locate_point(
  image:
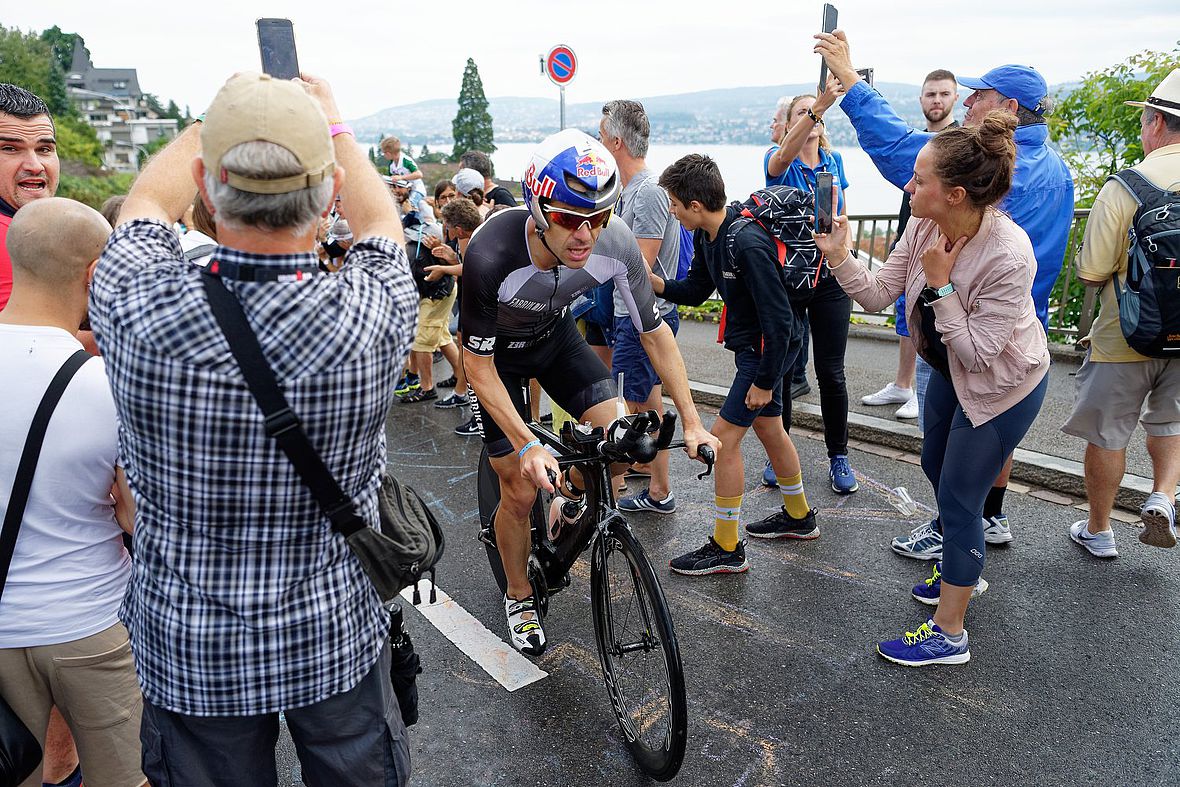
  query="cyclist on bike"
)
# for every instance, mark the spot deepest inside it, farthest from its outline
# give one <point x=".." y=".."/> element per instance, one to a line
<point x="523" y="268"/>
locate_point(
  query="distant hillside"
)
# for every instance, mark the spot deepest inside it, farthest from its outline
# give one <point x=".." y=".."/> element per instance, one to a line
<point x="733" y="115"/>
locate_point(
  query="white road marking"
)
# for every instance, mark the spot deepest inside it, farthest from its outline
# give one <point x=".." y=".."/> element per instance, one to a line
<point x="497" y="658"/>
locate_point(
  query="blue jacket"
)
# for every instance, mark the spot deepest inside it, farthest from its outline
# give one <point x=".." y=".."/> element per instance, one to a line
<point x="1041" y="198"/>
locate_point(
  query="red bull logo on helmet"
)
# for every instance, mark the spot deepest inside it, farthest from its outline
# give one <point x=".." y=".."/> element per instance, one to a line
<point x="592" y="165"/>
<point x="543" y="187"/>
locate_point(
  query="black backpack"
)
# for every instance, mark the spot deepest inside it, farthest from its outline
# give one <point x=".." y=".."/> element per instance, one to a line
<point x="1149" y="303"/>
<point x="421" y="257"/>
<point x="785" y="213"/>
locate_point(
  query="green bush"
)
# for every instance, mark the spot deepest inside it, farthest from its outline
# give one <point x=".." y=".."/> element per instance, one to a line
<point x="94" y="190"/>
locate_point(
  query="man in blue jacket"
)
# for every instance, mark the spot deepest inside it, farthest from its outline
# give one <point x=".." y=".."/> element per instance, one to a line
<point x="1041" y="200"/>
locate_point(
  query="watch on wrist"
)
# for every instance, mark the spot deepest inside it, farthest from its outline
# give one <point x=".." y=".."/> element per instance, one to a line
<point x="930" y="294"/>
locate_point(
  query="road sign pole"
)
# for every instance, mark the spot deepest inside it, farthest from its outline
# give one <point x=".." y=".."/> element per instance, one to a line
<point x="562" y="91"/>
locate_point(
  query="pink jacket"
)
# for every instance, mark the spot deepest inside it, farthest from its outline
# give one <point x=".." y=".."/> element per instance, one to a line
<point x="996" y="345"/>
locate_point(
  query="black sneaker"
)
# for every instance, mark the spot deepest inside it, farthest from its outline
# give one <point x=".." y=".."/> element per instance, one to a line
<point x="712" y="559"/>
<point x="448" y="383"/>
<point x="782" y="525"/>
<point x="467" y="429"/>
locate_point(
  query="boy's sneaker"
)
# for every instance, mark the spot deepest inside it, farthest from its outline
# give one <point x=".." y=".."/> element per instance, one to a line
<point x="468" y="428"/>
<point x="782" y="525"/>
<point x="1097" y="544"/>
<point x="930" y="589"/>
<point x="768" y="476"/>
<point x="524" y="626"/>
<point x="409" y="382"/>
<point x="452" y="401"/>
<point x="841" y="475"/>
<point x="927" y="645"/>
<point x="890" y="394"/>
<point x="996" y="530"/>
<point x="419" y="395"/>
<point x="923" y="543"/>
<point x="644" y="502"/>
<point x="712" y="559"/>
<point x="909" y="410"/>
<point x="1159" y="521"/>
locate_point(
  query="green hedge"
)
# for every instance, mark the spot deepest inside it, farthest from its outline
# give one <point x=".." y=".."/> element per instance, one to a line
<point x="93" y="190"/>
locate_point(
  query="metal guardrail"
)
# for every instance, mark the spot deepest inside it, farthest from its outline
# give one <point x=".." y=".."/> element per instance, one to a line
<point x="873" y="236"/>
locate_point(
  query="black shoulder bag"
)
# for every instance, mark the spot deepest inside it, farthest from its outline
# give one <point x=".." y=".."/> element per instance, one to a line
<point x="20" y="754"/>
<point x="410" y="541"/>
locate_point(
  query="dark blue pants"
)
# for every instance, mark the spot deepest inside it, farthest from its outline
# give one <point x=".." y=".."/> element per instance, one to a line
<point x="962" y="462"/>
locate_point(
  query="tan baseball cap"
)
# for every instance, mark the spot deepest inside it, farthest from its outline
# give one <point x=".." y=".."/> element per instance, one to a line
<point x="254" y="107"/>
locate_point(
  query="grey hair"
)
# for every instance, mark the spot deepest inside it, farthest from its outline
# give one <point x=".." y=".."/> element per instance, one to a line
<point x="1171" y="122"/>
<point x="783" y="103"/>
<point x="296" y="211"/>
<point x="627" y="121"/>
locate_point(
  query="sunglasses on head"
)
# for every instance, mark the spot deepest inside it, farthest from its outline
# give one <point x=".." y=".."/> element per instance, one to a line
<point x="572" y="220"/>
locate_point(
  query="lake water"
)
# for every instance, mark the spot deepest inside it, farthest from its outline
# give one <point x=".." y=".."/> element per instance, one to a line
<point x="741" y="166"/>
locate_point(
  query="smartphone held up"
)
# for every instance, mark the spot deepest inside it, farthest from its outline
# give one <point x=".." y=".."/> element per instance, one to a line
<point x="276" y="46"/>
<point x="824" y="209"/>
<point x="829" y="25"/>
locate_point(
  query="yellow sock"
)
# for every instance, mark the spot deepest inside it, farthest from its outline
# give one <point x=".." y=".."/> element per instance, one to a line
<point x="725" y="521"/>
<point x="793" y="498"/>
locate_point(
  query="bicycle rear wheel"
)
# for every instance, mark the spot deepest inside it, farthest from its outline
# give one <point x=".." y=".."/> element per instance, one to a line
<point x="639" y="653"/>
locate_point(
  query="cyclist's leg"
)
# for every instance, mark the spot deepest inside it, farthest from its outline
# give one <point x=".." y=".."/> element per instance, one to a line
<point x="516" y="492"/>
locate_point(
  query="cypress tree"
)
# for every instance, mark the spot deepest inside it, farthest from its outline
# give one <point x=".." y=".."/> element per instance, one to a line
<point x="472" y="126"/>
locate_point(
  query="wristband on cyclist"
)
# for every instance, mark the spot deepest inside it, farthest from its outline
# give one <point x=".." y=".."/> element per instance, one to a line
<point x="527" y="446"/>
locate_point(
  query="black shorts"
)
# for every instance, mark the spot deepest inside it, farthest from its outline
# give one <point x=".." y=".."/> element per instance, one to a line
<point x="566" y="368"/>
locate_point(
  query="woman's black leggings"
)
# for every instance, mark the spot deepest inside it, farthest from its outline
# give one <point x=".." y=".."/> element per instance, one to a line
<point x="826" y="309"/>
<point x="962" y="461"/>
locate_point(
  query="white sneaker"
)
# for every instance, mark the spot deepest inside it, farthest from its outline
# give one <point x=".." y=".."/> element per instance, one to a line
<point x="923" y="543"/>
<point x="890" y="394"/>
<point x="1159" y="521"/>
<point x="909" y="409"/>
<point x="524" y="626"/>
<point x="997" y="531"/>
<point x="1097" y="544"/>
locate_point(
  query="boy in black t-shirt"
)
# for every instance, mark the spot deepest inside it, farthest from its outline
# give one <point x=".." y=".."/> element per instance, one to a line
<point x="493" y="192"/>
<point x="761" y="331"/>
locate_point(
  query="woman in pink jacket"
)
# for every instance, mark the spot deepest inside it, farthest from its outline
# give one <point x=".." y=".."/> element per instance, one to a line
<point x="966" y="270"/>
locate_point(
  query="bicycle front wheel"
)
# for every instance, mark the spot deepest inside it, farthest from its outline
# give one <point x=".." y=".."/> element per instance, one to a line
<point x="639" y="653"/>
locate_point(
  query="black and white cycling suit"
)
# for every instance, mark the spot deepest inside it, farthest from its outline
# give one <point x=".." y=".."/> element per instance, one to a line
<point x="518" y="313"/>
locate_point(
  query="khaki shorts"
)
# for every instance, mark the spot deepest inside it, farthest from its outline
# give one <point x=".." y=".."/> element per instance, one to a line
<point x="1113" y="397"/>
<point x="92" y="682"/>
<point x="434" y="319"/>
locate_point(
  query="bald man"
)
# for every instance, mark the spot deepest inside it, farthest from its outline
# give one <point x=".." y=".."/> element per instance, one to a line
<point x="69" y="568"/>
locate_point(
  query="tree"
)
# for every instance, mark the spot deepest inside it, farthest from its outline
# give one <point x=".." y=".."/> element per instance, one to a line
<point x="62" y="45"/>
<point x="472" y="126"/>
<point x="1098" y="134"/>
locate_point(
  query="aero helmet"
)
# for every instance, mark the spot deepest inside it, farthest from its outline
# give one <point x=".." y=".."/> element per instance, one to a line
<point x="571" y="167"/>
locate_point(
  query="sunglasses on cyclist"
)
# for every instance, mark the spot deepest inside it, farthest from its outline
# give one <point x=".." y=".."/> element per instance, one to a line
<point x="572" y="220"/>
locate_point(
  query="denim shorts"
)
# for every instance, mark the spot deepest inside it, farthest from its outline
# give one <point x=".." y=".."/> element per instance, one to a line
<point x="734" y="410"/>
<point x="639" y="376"/>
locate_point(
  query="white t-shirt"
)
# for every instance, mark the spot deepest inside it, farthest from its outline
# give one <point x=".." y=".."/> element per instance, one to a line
<point x="70" y="568"/>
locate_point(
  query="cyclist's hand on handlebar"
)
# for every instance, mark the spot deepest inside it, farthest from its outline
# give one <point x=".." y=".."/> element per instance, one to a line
<point x="698" y="436"/>
<point x="757" y="398"/>
<point x="536" y="465"/>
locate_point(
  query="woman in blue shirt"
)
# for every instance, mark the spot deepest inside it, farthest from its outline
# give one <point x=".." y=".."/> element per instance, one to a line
<point x="801" y="151"/>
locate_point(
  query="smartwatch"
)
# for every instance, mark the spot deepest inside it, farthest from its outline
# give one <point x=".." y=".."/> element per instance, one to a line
<point x="929" y="294"/>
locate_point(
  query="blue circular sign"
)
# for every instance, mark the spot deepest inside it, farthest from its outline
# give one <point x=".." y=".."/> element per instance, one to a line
<point x="561" y="64"/>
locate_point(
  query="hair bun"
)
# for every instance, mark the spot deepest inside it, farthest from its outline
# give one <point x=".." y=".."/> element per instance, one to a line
<point x="997" y="133"/>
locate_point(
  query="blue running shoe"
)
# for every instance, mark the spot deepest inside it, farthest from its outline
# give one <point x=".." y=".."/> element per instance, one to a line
<point x="927" y="645"/>
<point x="929" y="590"/>
<point x="645" y="502"/>
<point x="843" y="479"/>
<point x="768" y="476"/>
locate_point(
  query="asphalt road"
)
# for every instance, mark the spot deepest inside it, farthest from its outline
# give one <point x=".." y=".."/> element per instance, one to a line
<point x="1072" y="678"/>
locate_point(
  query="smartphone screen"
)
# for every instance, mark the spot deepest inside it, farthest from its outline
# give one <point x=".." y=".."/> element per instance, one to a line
<point x="828" y="26"/>
<point x="823" y="202"/>
<point x="276" y="45"/>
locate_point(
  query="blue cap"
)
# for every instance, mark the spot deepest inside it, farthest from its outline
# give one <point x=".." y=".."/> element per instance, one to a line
<point x="1022" y="83"/>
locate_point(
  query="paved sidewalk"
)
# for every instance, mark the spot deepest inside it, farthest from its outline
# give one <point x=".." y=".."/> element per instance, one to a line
<point x="871" y="362"/>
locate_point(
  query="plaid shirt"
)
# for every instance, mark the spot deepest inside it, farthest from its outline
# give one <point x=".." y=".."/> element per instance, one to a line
<point x="242" y="599"/>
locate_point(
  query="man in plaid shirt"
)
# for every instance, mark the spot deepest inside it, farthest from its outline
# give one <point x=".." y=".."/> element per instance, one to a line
<point x="243" y="601"/>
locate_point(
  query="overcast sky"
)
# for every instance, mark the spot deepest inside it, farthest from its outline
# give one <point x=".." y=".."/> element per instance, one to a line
<point x="380" y="54"/>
